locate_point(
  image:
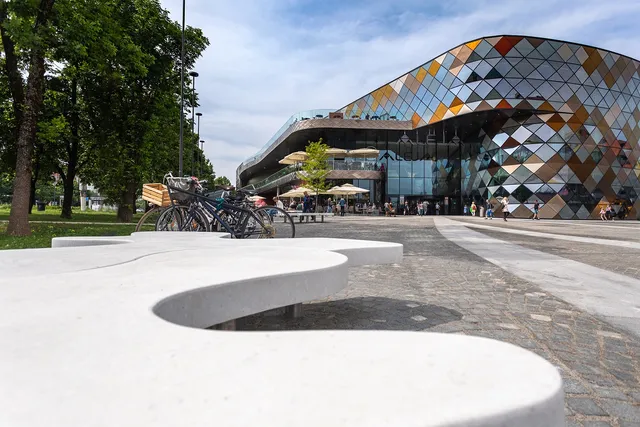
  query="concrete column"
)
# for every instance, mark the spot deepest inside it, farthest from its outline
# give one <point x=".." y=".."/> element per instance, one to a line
<point x="229" y="325"/>
<point x="293" y="311"/>
<point x="83" y="196"/>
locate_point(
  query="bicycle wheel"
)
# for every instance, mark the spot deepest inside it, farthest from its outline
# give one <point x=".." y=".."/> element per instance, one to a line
<point x="148" y="221"/>
<point x="182" y="218"/>
<point x="277" y="223"/>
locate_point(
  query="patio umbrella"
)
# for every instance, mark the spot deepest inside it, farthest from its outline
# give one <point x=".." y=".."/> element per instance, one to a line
<point x="286" y="161"/>
<point x="298" y="156"/>
<point x="347" y="190"/>
<point x="364" y="153"/>
<point x="350" y="190"/>
<point x="297" y="192"/>
<point x="336" y="152"/>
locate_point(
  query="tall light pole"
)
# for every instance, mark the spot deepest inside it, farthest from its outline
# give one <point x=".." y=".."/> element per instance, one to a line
<point x="199" y="114"/>
<point x="202" y="158"/>
<point x="193" y="74"/>
<point x="180" y="161"/>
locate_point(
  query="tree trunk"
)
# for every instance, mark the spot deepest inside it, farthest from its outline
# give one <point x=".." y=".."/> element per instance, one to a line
<point x="128" y="203"/>
<point x="67" y="202"/>
<point x="16" y="84"/>
<point x="19" y="216"/>
<point x="72" y="152"/>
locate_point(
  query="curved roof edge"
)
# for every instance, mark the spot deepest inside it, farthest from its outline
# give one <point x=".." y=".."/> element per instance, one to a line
<point x="483" y="38"/>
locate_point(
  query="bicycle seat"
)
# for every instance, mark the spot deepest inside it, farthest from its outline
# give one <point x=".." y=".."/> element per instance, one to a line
<point x="225" y="187"/>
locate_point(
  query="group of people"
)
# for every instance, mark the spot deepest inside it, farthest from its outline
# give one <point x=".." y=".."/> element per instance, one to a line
<point x="308" y="205"/>
<point x="504" y="203"/>
<point x="609" y="214"/>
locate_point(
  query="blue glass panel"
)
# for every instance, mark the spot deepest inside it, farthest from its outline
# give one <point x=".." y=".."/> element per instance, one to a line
<point x="405" y="186"/>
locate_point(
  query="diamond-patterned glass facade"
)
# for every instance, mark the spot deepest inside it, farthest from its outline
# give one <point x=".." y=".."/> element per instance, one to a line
<point x="564" y="126"/>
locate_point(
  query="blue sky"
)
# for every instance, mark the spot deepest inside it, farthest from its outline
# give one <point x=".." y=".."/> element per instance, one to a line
<point x="271" y="58"/>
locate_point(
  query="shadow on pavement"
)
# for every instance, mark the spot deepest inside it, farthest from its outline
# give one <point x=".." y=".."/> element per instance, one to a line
<point x="354" y="313"/>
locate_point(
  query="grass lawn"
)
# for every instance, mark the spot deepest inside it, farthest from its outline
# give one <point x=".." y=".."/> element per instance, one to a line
<point x="52" y="213"/>
<point x="42" y="234"/>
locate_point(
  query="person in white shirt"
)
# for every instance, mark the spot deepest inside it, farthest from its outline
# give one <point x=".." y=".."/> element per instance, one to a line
<point x="278" y="202"/>
<point x="505" y="207"/>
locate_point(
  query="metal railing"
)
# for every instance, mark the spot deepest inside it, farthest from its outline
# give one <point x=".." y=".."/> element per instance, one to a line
<point x="353" y="165"/>
<point x="274" y="177"/>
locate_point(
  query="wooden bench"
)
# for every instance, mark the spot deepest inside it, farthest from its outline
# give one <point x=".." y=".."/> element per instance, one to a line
<point x="311" y="215"/>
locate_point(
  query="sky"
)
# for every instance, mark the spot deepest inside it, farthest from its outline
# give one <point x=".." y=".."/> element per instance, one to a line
<point x="269" y="59"/>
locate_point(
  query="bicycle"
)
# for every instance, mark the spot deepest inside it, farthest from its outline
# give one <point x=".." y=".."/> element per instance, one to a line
<point x="232" y="215"/>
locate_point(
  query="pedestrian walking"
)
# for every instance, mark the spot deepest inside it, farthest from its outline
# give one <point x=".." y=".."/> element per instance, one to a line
<point x="609" y="213"/>
<point x="536" y="209"/>
<point x="466" y="210"/>
<point x="437" y="208"/>
<point x="342" y="204"/>
<point x="306" y="203"/>
<point x="473" y="208"/>
<point x="489" y="210"/>
<point x="505" y="207"/>
<point x="603" y="214"/>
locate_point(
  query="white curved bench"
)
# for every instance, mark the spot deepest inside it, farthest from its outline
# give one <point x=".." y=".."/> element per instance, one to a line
<point x="96" y="336"/>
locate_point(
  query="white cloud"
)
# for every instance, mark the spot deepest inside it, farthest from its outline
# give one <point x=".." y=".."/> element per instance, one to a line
<point x="266" y="62"/>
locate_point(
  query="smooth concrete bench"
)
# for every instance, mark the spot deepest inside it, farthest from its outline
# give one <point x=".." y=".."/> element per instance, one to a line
<point x="306" y="216"/>
<point x="110" y="335"/>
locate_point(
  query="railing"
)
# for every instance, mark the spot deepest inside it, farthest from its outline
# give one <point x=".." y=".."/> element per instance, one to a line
<point x="273" y="177"/>
<point x="353" y="165"/>
<point x="349" y="165"/>
<point x="303" y="115"/>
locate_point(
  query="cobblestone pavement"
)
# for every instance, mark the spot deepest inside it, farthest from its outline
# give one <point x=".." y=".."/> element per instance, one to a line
<point x="440" y="287"/>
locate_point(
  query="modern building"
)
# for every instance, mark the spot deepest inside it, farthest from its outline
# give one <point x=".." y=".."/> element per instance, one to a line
<point x="505" y="116"/>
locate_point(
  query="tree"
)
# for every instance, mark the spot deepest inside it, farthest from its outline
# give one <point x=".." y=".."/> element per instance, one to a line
<point x="221" y="181"/>
<point x="26" y="26"/>
<point x="315" y="168"/>
<point x="134" y="110"/>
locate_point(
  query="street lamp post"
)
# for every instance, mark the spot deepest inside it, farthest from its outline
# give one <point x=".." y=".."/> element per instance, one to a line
<point x="199" y="114"/>
<point x="180" y="159"/>
<point x="193" y="74"/>
<point x="201" y="158"/>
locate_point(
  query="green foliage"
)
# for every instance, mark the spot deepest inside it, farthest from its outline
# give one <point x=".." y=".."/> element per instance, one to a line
<point x="111" y="108"/>
<point x="315" y="169"/>
<point x="41" y="234"/>
<point x="221" y="181"/>
<point x="6" y="187"/>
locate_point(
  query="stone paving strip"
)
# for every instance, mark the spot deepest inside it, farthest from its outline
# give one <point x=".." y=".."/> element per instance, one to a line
<point x="607" y="257"/>
<point x="613" y="296"/>
<point x="493" y="225"/>
<point x="442" y="287"/>
<point x="604" y="230"/>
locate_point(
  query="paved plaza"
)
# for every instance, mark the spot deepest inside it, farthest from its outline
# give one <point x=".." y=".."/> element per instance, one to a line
<point x="567" y="290"/>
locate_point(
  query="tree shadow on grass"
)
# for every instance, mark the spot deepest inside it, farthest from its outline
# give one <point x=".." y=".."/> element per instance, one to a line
<point x="365" y="313"/>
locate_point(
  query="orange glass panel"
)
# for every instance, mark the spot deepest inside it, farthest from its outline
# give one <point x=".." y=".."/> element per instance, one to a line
<point x="456" y="109"/>
<point x="433" y="69"/>
<point x="440" y="111"/>
<point x="472" y="45"/>
<point x="422" y="73"/>
<point x="415" y="120"/>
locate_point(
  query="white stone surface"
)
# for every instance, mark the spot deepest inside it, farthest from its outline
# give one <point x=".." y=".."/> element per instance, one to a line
<point x="96" y="336"/>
